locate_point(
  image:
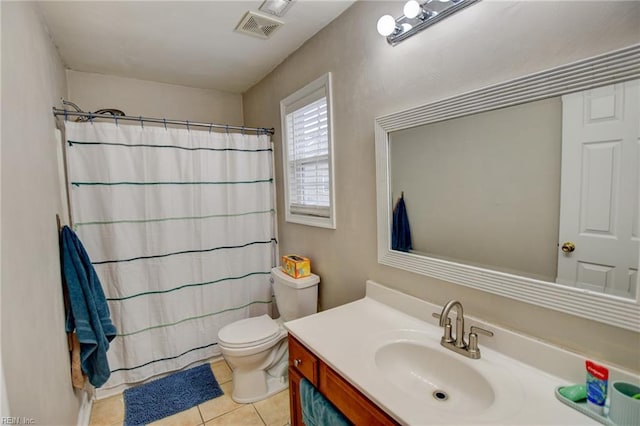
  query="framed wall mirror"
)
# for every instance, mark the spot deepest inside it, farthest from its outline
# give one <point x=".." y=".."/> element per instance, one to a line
<point x="527" y="189"/>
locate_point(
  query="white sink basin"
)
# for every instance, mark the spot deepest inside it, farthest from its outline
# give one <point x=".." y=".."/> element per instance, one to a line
<point x="434" y="377"/>
<point x="439" y="380"/>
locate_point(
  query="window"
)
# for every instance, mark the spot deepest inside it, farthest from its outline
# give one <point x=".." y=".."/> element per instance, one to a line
<point x="308" y="155"/>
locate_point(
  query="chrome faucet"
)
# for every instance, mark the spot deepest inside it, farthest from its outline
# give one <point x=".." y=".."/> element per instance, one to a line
<point x="444" y="315"/>
<point x="458" y="344"/>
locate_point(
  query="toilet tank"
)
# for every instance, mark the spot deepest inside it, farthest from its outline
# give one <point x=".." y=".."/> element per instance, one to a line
<point x="295" y="297"/>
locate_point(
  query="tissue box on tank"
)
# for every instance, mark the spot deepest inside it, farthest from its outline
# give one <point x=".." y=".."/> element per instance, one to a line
<point x="296" y="266"/>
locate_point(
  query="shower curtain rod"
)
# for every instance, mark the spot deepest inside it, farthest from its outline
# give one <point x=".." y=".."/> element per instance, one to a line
<point x="67" y="113"/>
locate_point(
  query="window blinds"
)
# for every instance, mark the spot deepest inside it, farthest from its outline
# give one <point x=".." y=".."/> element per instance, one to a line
<point x="308" y="159"/>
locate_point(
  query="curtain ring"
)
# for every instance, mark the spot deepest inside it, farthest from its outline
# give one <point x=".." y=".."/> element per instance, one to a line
<point x="210" y="127"/>
<point x="165" y="123"/>
<point x="66" y="115"/>
<point x="115" y="118"/>
<point x="188" y="129"/>
<point x="141" y="122"/>
<point x="91" y="117"/>
<point x="227" y="128"/>
<point x="242" y="130"/>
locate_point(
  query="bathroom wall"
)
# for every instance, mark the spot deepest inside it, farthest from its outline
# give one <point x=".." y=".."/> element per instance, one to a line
<point x="91" y="91"/>
<point x="34" y="344"/>
<point x="486" y="43"/>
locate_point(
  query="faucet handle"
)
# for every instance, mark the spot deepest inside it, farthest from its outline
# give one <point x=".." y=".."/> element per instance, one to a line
<point x="475" y="330"/>
<point x="473" y="340"/>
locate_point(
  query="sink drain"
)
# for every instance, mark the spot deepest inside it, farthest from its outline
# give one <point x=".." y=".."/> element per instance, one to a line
<point x="440" y="395"/>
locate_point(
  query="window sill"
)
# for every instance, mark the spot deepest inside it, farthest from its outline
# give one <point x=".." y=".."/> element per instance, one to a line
<point x="320" y="222"/>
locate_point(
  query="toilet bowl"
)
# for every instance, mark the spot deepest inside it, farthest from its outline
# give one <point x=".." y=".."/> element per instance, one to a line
<point x="256" y="348"/>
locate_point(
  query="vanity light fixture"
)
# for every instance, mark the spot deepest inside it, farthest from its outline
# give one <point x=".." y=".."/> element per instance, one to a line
<point x="416" y="17"/>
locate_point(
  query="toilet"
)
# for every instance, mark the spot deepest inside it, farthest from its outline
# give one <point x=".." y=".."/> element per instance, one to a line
<point x="256" y="348"/>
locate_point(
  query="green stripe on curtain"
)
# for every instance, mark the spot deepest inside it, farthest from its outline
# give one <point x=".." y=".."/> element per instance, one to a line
<point x="210" y="314"/>
<point x="164" y="219"/>
<point x="146" y="293"/>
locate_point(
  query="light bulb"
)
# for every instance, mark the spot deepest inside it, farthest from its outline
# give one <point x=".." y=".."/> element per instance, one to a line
<point x="386" y="25"/>
<point x="412" y="9"/>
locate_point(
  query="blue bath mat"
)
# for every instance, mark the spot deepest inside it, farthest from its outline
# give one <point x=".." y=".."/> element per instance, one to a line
<point x="167" y="396"/>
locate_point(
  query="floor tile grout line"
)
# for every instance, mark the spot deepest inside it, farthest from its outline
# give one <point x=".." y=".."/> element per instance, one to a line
<point x="225" y="413"/>
<point x="200" y="412"/>
<point x="258" y="413"/>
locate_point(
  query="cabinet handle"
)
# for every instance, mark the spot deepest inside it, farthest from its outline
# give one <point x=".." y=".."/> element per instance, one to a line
<point x="297" y="362"/>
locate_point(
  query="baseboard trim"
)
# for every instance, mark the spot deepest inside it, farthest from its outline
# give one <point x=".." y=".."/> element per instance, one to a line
<point x="84" y="413"/>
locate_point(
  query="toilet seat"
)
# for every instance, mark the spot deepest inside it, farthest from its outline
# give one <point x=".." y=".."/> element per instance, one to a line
<point x="250" y="332"/>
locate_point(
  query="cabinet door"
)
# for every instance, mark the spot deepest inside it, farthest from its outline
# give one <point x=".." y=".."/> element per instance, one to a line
<point x="355" y="406"/>
<point x="294" y="397"/>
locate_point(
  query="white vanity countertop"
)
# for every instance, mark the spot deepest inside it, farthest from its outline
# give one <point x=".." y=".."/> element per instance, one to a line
<point x="347" y="337"/>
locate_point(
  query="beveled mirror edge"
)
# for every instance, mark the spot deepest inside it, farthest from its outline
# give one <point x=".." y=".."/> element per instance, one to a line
<point x="609" y="68"/>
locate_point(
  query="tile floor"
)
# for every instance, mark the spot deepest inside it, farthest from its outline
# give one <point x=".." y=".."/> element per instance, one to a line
<point x="273" y="411"/>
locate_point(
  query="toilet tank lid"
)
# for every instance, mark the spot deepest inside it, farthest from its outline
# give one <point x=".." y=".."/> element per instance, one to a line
<point x="298" y="283"/>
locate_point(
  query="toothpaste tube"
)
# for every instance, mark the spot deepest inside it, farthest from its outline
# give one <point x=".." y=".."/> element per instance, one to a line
<point x="597" y="378"/>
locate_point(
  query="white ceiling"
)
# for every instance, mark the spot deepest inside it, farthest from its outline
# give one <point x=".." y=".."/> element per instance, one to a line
<point x="191" y="43"/>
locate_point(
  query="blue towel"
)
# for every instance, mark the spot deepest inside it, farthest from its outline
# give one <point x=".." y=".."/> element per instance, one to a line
<point x="89" y="313"/>
<point x="400" y="233"/>
<point x="316" y="410"/>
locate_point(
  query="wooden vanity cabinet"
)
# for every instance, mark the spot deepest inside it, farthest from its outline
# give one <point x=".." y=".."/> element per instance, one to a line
<point x="356" y="407"/>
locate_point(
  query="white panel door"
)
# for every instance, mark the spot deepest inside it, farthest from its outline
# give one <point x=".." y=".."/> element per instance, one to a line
<point x="599" y="190"/>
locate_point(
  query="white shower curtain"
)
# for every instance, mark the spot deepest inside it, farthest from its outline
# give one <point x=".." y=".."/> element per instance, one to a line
<point x="179" y="225"/>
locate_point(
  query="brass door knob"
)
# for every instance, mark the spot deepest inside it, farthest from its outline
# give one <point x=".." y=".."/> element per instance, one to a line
<point x="568" y="247"/>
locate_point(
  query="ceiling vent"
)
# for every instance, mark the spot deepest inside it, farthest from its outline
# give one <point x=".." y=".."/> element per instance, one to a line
<point x="258" y="25"/>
